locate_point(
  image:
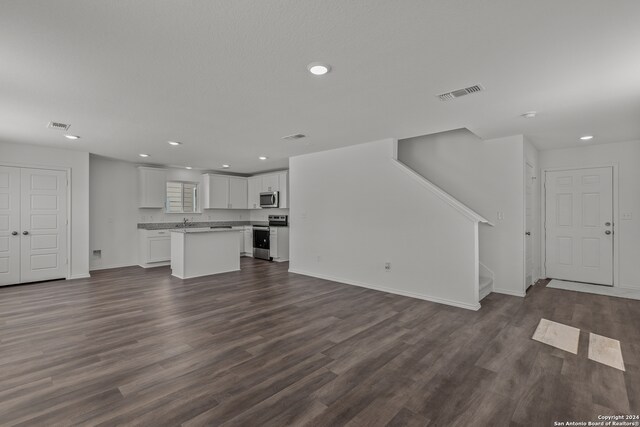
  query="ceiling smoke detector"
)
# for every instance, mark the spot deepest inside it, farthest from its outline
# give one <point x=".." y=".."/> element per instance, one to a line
<point x="58" y="125"/>
<point x="460" y="92"/>
<point x="294" y="136"/>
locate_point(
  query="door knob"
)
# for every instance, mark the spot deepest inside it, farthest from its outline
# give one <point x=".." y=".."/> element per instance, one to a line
<point x="25" y="232"/>
<point x="607" y="224"/>
<point x="607" y="232"/>
<point x="528" y="233"/>
<point x="14" y="233"/>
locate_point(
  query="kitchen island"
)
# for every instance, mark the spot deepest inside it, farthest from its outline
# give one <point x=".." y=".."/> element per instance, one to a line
<point x="199" y="252"/>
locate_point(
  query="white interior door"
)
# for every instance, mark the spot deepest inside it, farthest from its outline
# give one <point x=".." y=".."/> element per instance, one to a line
<point x="579" y="225"/>
<point x="529" y="225"/>
<point x="43" y="213"/>
<point x="9" y="225"/>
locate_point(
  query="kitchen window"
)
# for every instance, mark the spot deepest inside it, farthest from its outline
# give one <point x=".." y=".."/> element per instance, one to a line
<point x="182" y="197"/>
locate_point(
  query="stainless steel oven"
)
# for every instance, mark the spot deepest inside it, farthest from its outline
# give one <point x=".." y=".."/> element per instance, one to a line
<point x="261" y="247"/>
<point x="262" y="236"/>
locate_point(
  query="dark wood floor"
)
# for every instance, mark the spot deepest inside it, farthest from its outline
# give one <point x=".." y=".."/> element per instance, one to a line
<point x="264" y="347"/>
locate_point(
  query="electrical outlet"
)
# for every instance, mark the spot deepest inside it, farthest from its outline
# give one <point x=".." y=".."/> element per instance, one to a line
<point x="387" y="266"/>
<point x="627" y="215"/>
<point x="97" y="253"/>
<point x="500" y="215"/>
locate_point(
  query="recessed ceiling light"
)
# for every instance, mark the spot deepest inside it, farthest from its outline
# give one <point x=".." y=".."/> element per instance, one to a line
<point x="586" y="137"/>
<point x="263" y="158"/>
<point x="143" y="155"/>
<point x="188" y="167"/>
<point x="72" y="136"/>
<point x="529" y="114"/>
<point x="318" y="68"/>
<point x="174" y="143"/>
<point x="226" y="166"/>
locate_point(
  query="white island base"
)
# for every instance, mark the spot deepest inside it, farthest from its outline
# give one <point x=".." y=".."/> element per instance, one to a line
<point x="201" y="252"/>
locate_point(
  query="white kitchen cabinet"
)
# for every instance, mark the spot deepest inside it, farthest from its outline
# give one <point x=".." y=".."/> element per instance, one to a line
<point x="248" y="240"/>
<point x="267" y="183"/>
<point x="215" y="191"/>
<point x="270" y="183"/>
<point x="283" y="188"/>
<point x="224" y="192"/>
<point x="279" y="243"/>
<point x="253" y="192"/>
<point x="237" y="192"/>
<point x="154" y="247"/>
<point x="152" y="187"/>
<point x="240" y="230"/>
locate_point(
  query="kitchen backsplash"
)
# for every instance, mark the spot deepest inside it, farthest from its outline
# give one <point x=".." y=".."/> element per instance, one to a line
<point x="157" y="215"/>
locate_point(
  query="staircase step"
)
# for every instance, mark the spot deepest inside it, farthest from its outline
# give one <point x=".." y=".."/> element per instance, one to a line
<point x="486" y="286"/>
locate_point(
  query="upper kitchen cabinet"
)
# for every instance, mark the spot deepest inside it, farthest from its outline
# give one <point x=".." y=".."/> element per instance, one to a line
<point x="237" y="192"/>
<point x="268" y="183"/>
<point x="255" y="187"/>
<point x="224" y="192"/>
<point x="152" y="187"/>
<point x="283" y="182"/>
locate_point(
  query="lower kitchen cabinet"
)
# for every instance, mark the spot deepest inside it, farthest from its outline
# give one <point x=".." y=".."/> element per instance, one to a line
<point x="247" y="236"/>
<point x="279" y="243"/>
<point x="154" y="248"/>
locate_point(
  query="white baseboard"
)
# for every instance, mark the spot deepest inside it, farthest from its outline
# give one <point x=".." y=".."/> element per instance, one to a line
<point x="79" y="276"/>
<point x="473" y="307"/>
<point x="108" y="267"/>
<point x="509" y="292"/>
<point x="155" y="264"/>
<point x="485" y="291"/>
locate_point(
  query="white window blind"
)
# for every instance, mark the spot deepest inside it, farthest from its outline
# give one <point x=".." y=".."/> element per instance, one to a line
<point x="182" y="197"/>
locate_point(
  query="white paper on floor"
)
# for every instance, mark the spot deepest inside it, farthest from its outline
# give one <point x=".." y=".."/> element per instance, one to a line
<point x="558" y="335"/>
<point x="606" y="351"/>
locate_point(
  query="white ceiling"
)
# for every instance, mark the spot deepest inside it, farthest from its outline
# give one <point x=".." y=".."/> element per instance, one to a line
<point x="229" y="78"/>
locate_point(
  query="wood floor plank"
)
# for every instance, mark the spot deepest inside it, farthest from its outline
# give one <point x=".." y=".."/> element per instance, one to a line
<point x="266" y="347"/>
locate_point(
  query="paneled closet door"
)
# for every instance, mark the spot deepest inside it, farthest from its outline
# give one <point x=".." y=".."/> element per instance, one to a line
<point x="9" y="225"/>
<point x="43" y="214"/>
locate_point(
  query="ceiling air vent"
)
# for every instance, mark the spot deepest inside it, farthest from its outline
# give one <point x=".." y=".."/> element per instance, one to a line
<point x="460" y="92"/>
<point x="294" y="137"/>
<point x="59" y="126"/>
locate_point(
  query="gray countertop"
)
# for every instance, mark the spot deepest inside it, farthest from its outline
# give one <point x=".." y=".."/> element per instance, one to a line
<point x="204" y="224"/>
<point x="204" y="230"/>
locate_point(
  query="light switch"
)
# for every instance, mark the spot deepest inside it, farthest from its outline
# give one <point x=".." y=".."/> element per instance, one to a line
<point x="500" y="215"/>
<point x="627" y="215"/>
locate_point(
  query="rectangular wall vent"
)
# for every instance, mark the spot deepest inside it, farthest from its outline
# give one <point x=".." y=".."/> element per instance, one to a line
<point x="460" y="92"/>
<point x="58" y="125"/>
<point x="294" y="136"/>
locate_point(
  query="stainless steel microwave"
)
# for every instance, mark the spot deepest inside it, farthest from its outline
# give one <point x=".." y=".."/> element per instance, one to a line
<point x="269" y="200"/>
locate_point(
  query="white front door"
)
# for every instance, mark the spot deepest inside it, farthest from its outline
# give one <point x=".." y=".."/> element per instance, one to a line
<point x="43" y="214"/>
<point x="9" y="225"/>
<point x="529" y="225"/>
<point x="579" y="225"/>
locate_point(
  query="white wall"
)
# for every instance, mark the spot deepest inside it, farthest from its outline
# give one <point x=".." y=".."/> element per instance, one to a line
<point x="487" y="176"/>
<point x="78" y="163"/>
<point x="627" y="156"/>
<point x="352" y="210"/>
<point x="113" y="212"/>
